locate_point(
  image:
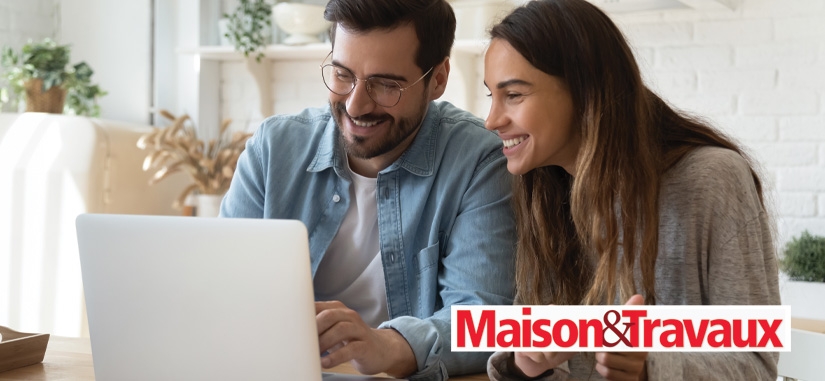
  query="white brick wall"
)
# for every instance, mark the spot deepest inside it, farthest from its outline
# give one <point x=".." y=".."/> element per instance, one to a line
<point x="803" y="128"/>
<point x="725" y="32"/>
<point x="780" y="102"/>
<point x="769" y="58"/>
<point x="821" y="204"/>
<point x="757" y="72"/>
<point x="797" y="204"/>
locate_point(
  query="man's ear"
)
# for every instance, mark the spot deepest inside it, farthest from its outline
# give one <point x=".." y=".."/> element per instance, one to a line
<point x="438" y="81"/>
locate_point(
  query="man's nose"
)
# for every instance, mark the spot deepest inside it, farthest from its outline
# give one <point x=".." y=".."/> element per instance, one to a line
<point x="359" y="101"/>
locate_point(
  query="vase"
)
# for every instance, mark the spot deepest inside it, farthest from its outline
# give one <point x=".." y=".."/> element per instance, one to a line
<point x="208" y="205"/>
<point x="798" y="294"/>
<point x="50" y="101"/>
<point x="303" y="23"/>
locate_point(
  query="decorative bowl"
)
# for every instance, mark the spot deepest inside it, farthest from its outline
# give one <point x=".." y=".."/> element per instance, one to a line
<point x="303" y="22"/>
<point x="18" y="349"/>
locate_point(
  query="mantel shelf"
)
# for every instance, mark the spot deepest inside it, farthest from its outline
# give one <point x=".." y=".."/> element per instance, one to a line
<point x="271" y="52"/>
<point x="303" y="52"/>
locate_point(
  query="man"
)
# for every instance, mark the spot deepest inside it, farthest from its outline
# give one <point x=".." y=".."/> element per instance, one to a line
<point x="406" y="200"/>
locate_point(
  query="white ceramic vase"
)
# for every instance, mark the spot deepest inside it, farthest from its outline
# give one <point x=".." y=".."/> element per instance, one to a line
<point x="303" y="23"/>
<point x="208" y="205"/>
<point x="802" y="297"/>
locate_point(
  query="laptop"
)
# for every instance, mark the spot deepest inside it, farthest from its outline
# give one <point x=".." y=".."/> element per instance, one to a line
<point x="186" y="298"/>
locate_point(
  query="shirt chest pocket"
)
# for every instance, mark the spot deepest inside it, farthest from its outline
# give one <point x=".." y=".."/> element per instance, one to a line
<point x="427" y="260"/>
<point x="426" y="277"/>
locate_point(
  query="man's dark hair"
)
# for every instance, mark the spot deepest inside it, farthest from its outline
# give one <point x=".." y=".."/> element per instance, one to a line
<point x="434" y="23"/>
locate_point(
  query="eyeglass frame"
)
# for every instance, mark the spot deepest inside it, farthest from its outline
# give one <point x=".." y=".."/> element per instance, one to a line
<point x="366" y="80"/>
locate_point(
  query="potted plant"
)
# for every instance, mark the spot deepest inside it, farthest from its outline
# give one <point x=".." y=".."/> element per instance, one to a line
<point x="41" y="75"/>
<point x="804" y="265"/>
<point x="250" y="26"/>
<point x="210" y="165"/>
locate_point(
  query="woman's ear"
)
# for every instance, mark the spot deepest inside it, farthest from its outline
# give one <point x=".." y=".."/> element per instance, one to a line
<point x="438" y="81"/>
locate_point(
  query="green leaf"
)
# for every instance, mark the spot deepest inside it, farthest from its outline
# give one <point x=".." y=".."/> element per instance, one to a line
<point x="83" y="71"/>
<point x="804" y="258"/>
<point x="9" y="58"/>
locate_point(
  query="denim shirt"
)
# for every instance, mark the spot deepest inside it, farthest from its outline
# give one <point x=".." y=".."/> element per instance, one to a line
<point x="445" y="221"/>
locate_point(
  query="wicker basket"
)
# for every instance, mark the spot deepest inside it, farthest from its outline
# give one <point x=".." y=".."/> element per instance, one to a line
<point x="37" y="101"/>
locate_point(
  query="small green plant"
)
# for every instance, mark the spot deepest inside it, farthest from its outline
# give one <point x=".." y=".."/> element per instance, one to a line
<point x="49" y="62"/>
<point x="805" y="258"/>
<point x="250" y="26"/>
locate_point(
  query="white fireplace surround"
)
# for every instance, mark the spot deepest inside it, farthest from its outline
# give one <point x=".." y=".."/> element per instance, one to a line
<point x="202" y="99"/>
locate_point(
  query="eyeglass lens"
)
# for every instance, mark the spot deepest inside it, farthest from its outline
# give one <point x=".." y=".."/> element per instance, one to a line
<point x="341" y="81"/>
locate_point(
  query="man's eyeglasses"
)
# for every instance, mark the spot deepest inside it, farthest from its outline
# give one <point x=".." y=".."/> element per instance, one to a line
<point x="383" y="91"/>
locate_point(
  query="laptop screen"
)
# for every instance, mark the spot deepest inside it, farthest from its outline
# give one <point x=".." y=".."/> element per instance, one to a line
<point x="171" y="298"/>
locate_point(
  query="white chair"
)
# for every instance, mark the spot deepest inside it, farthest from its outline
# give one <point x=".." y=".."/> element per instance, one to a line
<point x="806" y="361"/>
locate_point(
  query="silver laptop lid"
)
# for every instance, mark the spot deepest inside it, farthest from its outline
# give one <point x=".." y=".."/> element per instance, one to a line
<point x="185" y="298"/>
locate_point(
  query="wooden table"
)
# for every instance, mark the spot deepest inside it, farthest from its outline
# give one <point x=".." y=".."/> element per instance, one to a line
<point x="70" y="359"/>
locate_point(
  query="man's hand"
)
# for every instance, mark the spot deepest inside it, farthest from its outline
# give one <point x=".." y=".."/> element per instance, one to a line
<point x="620" y="366"/>
<point x="344" y="335"/>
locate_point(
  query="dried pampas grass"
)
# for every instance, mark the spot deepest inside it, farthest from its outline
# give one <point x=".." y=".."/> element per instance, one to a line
<point x="177" y="148"/>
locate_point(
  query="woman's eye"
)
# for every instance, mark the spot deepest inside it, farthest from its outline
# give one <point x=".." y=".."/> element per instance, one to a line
<point x="507" y="96"/>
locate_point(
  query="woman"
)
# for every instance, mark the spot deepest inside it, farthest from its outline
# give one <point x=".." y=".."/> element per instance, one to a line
<point x="617" y="194"/>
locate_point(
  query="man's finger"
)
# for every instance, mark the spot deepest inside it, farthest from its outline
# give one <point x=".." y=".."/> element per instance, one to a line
<point x="336" y="357"/>
<point x="326" y="318"/>
<point x="321" y="306"/>
<point x="343" y="332"/>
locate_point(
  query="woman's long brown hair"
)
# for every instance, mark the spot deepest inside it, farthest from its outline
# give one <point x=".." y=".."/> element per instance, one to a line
<point x="579" y="236"/>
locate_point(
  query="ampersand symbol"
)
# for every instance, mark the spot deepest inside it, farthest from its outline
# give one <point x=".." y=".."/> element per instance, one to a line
<point x="612" y="326"/>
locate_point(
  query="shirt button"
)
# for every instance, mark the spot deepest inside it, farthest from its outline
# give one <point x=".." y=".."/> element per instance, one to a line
<point x="336" y="198"/>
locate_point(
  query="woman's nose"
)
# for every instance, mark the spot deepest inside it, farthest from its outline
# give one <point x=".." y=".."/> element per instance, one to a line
<point x="494" y="119"/>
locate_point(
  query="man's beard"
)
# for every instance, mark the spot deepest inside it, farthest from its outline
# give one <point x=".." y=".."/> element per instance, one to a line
<point x="397" y="132"/>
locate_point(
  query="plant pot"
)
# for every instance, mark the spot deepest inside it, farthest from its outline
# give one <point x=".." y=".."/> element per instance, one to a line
<point x="805" y="298"/>
<point x="50" y="101"/>
<point x="208" y="205"/>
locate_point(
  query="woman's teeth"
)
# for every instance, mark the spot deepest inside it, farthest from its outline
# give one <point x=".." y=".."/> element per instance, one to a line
<point x="510" y="143"/>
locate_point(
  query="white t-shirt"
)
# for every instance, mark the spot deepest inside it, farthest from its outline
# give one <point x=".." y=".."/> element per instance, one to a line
<point x="351" y="270"/>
